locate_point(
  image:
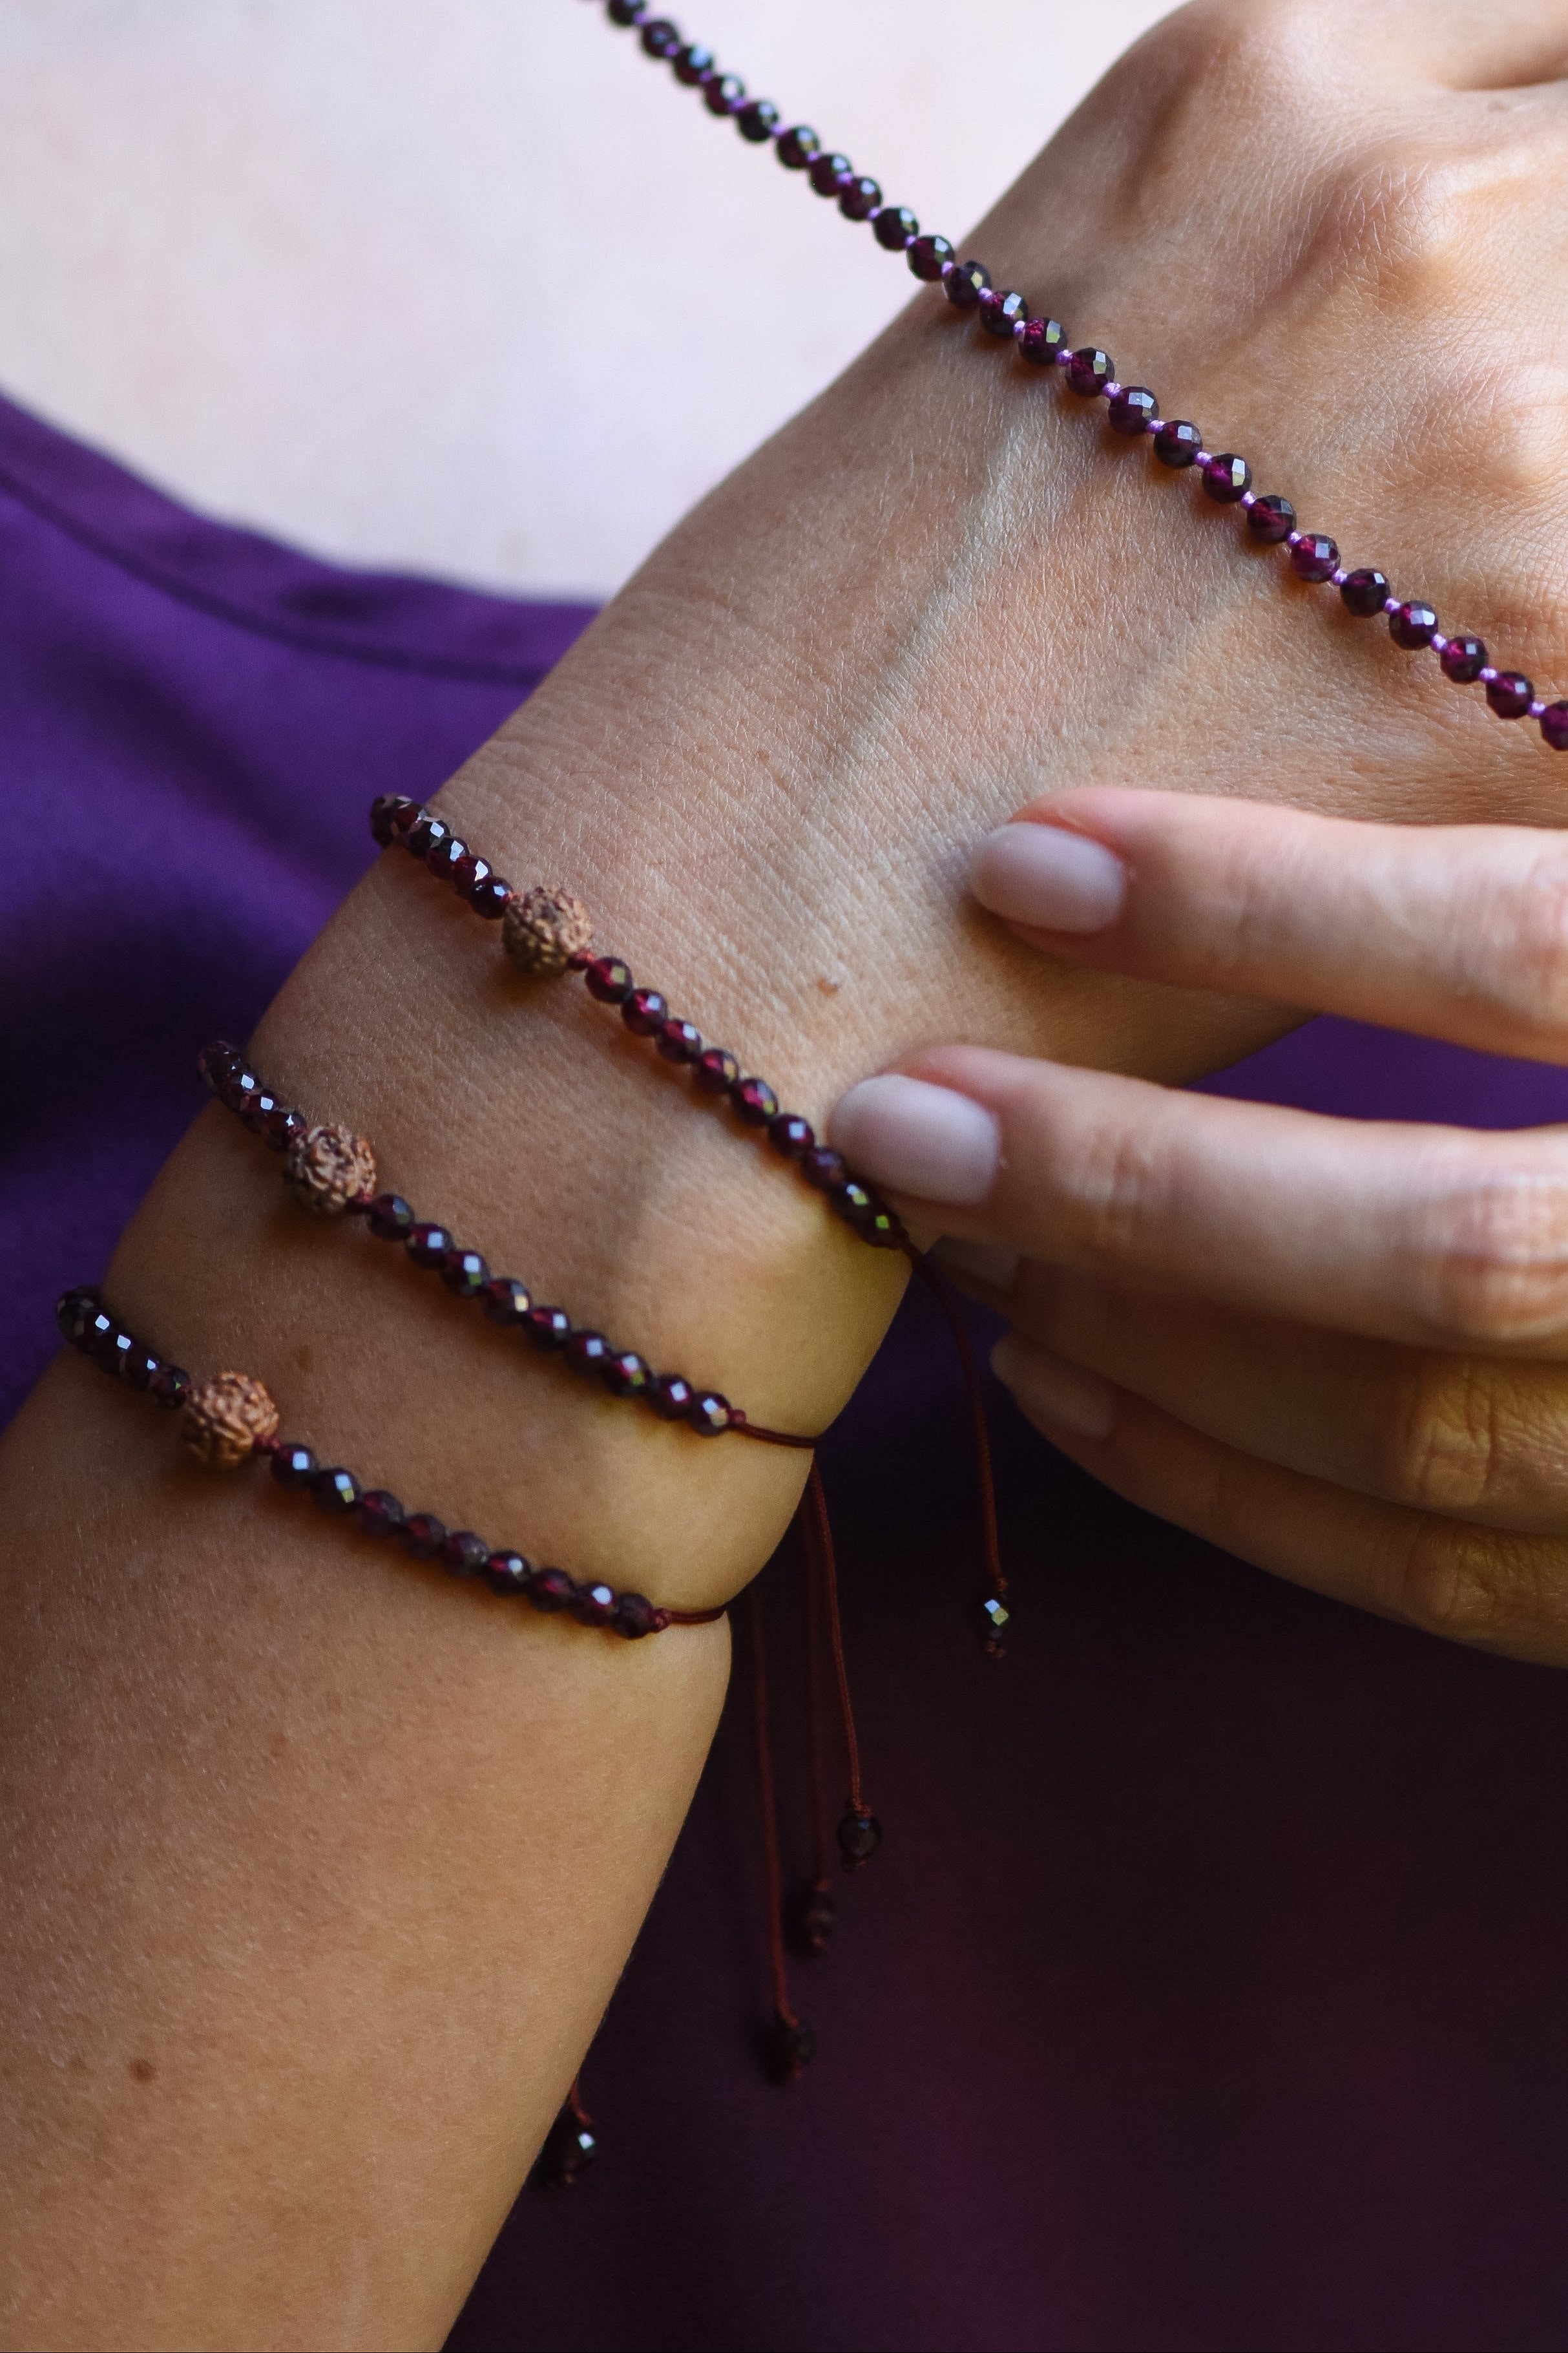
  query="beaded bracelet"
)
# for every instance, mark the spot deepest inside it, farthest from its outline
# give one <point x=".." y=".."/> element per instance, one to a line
<point x="333" y="1172"/>
<point x="231" y="1419"/>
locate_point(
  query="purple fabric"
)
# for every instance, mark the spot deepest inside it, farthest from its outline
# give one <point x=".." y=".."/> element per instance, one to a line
<point x="1209" y="1990"/>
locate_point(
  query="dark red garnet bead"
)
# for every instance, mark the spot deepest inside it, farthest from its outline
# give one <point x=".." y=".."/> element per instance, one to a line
<point x="830" y="173"/>
<point x="1090" y="371"/>
<point x="797" y="147"/>
<point x="463" y="1553"/>
<point x="635" y="1616"/>
<point x="895" y="227"/>
<point x="470" y="875"/>
<point x="588" y="1352"/>
<point x="1554" y="725"/>
<point x="548" y="1327"/>
<point x="859" y="197"/>
<point x="423" y="1535"/>
<point x="660" y="39"/>
<point x="851" y="1200"/>
<point x="390" y="1218"/>
<point x="1463" y="659"/>
<point x="927" y="257"/>
<point x="465" y="1272"/>
<point x="1177" y="443"/>
<point x="723" y="93"/>
<point x="1365" y="593"/>
<point x="670" y="1397"/>
<point x="825" y="1169"/>
<point x="335" y="1490"/>
<point x="171" y="1386"/>
<point x="1134" y="410"/>
<point x="425" y="837"/>
<point x="428" y="1245"/>
<point x="1510" y="694"/>
<point x="755" y="1101"/>
<point x="990" y="1618"/>
<point x="710" y="1414"/>
<point x="508" y="1573"/>
<point x="791" y="1134"/>
<point x="625" y="1374"/>
<point x="1001" y="312"/>
<point x="680" y="1041"/>
<point x="380" y="1513"/>
<point x="569" y="2145"/>
<point x="644" y="1012"/>
<point x="72" y="1310"/>
<point x="491" y="899"/>
<point x="594" y="1605"/>
<point x="859" y="1836"/>
<point x="1412" y="626"/>
<point x="283" y="1127"/>
<point x="1041" y="341"/>
<point x="965" y="282"/>
<point x="1313" y="557"/>
<point x="384" y="812"/>
<point x="1226" y="477"/>
<point x="506" y="1301"/>
<point x="716" y="1070"/>
<point x="293" y="1466"/>
<point x="1270" y="520"/>
<point x="140" y="1367"/>
<point x="757" y="120"/>
<point x="551" y="1590"/>
<point x="692" y="64"/>
<point x="625" y="11"/>
<point x="609" y="981"/>
<point x="121" y="1353"/>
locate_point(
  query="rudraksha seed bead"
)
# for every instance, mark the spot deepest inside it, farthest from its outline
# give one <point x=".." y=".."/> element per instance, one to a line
<point x="594" y="1605"/>
<point x="1365" y="593"/>
<point x="692" y="64"/>
<point x="716" y="1070"/>
<point x="588" y="1352"/>
<point x="1413" y="625"/>
<point x="896" y="227"/>
<point x="223" y="1419"/>
<point x="1133" y="411"/>
<point x="491" y="898"/>
<point x="625" y="1374"/>
<point x="990" y="1618"/>
<point x="757" y="120"/>
<point x="1463" y="659"/>
<point x="465" y="1273"/>
<point x="790" y="2049"/>
<point x="543" y="930"/>
<point x="710" y="1414"/>
<point x="797" y="147"/>
<point x="427" y="1246"/>
<point x="927" y="257"/>
<point x="508" y="1573"/>
<point x="423" y="1535"/>
<point x="755" y="1102"/>
<point x="506" y="1301"/>
<point x="1313" y="557"/>
<point x="680" y="1041"/>
<point x="670" y="1397"/>
<point x="1226" y="477"/>
<point x="380" y="1513"/>
<point x="859" y="1836"/>
<point x="548" y="1327"/>
<point x="635" y="1616"/>
<point x="1554" y="725"/>
<point x="625" y="11"/>
<point x="829" y="175"/>
<point x="170" y="1387"/>
<point x="327" y="1168"/>
<point x="609" y="981"/>
<point x="551" y="1590"/>
<point x="335" y="1490"/>
<point x="1510" y="693"/>
<point x="384" y="812"/>
<point x="791" y="1134"/>
<point x="1090" y="371"/>
<point x="723" y="93"/>
<point x="390" y="1218"/>
<point x="293" y="1466"/>
<point x="660" y="39"/>
<point x="1177" y="443"/>
<point x="1270" y="520"/>
<point x="964" y="284"/>
<point x="1041" y="341"/>
<point x="1001" y="312"/>
<point x="645" y="1012"/>
<point x="448" y="859"/>
<point x="825" y="1169"/>
<point x="859" y="197"/>
<point x="463" y="1553"/>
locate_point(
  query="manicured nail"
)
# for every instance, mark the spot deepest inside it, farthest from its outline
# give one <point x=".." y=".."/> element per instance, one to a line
<point x="917" y="1139"/>
<point x="1052" y="1392"/>
<point x="984" y="1262"/>
<point x="1052" y="880"/>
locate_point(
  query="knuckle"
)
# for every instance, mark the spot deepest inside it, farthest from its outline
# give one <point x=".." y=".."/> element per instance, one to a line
<point x="1520" y="932"/>
<point x="1445" y="1445"/>
<point x="1496" y="1271"/>
<point x="1464" y="1586"/>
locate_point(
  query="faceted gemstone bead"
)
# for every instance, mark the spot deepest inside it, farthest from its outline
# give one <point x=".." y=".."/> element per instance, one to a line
<point x="285" y="1128"/>
<point x="852" y="1200"/>
<point x="791" y="1134"/>
<point x="463" y="1553"/>
<point x="470" y="873"/>
<point x="625" y="11"/>
<point x="895" y="227"/>
<point x="757" y="120"/>
<point x="428" y="1245"/>
<point x="548" y="1327"/>
<point x="587" y="1352"/>
<point x="507" y="1302"/>
<point x="140" y="1367"/>
<point x="293" y="1466"/>
<point x="383" y="810"/>
<point x="790" y="2048"/>
<point x="965" y="282"/>
<point x="1177" y="443"/>
<point x="98" y="1334"/>
<point x="859" y="197"/>
<point x="797" y="147"/>
<point x="390" y="1218"/>
<point x="379" y="1513"/>
<point x="1554" y="725"/>
<point x="710" y="1414"/>
<point x="569" y="2145"/>
<point x="1510" y="694"/>
<point x="1090" y="371"/>
<point x="1133" y="410"/>
<point x="927" y="257"/>
<point x="716" y="1070"/>
<point x="1364" y="592"/>
<point x="423" y="1535"/>
<point x="238" y="1088"/>
<point x="859" y="1836"/>
<point x="623" y="1373"/>
<point x="260" y="1111"/>
<point x="680" y="1041"/>
<point x="1041" y="341"/>
<point x="645" y="1012"/>
<point x="609" y="981"/>
<point x="1463" y="659"/>
<point x="1413" y="625"/>
<point x="880" y="1228"/>
<point x="991" y="1616"/>
<point x="491" y="898"/>
<point x="692" y="63"/>
<point x="660" y="39"/>
<point x="427" y="833"/>
<point x="1001" y="312"/>
<point x="635" y="1616"/>
<point x="723" y="93"/>
<point x="551" y="1590"/>
<point x="1313" y="557"/>
<point x="829" y="175"/>
<point x="755" y="1101"/>
<point x="1270" y="520"/>
<point x="670" y="1397"/>
<point x="508" y="1573"/>
<point x="121" y="1351"/>
<point x="335" y="1490"/>
<point x="594" y="1605"/>
<point x="170" y="1387"/>
<point x="215" y="1062"/>
<point x="1227" y="479"/>
<point x="465" y="1272"/>
<point x="72" y="1310"/>
<point x="825" y="1169"/>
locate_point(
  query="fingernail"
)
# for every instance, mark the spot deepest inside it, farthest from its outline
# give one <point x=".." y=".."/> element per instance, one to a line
<point x="1050" y="1390"/>
<point x="917" y="1139"/>
<point x="1041" y="875"/>
<point x="986" y="1262"/>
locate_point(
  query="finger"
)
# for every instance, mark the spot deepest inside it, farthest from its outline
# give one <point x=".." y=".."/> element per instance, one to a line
<point x="1497" y="1590"/>
<point x="1439" y="1236"/>
<point x="1454" y="932"/>
<point x="1472" y="1438"/>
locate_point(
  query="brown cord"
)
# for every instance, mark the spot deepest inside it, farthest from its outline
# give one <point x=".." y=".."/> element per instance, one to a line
<point x="820" y="1537"/>
<point x="772" y="1892"/>
<point x="990" y="1541"/>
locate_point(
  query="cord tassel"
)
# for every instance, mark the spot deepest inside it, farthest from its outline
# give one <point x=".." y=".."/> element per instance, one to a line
<point x="859" y="1831"/>
<point x="991" y="1612"/>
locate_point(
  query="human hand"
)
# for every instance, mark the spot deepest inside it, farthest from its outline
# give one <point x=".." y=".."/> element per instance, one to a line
<point x="1336" y="1347"/>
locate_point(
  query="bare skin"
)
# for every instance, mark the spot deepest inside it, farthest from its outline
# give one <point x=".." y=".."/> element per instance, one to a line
<point x="320" y="1872"/>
